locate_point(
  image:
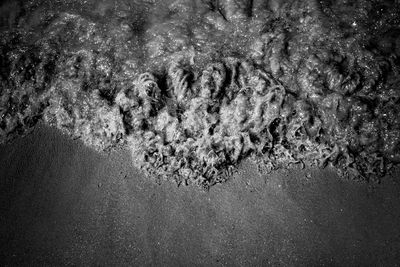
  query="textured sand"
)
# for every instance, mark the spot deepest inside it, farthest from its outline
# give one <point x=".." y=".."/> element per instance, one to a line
<point x="63" y="204"/>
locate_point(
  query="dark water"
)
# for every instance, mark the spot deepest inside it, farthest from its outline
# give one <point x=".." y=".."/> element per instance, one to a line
<point x="195" y="87"/>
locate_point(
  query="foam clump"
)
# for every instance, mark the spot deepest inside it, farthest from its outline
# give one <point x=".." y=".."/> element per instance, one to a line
<point x="250" y="114"/>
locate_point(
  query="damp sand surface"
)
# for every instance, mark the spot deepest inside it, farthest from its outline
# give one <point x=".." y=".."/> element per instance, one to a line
<point x="64" y="204"/>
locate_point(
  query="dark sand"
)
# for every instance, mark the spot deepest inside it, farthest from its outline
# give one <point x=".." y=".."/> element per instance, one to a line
<point x="64" y="204"/>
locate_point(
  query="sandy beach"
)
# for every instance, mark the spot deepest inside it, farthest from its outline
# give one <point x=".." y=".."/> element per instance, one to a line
<point x="64" y="204"/>
<point x="193" y="90"/>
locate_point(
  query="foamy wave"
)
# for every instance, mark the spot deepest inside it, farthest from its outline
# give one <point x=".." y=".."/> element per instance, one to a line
<point x="294" y="95"/>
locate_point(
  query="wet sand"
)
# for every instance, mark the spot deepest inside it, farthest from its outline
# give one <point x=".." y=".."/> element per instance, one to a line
<point x="61" y="203"/>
